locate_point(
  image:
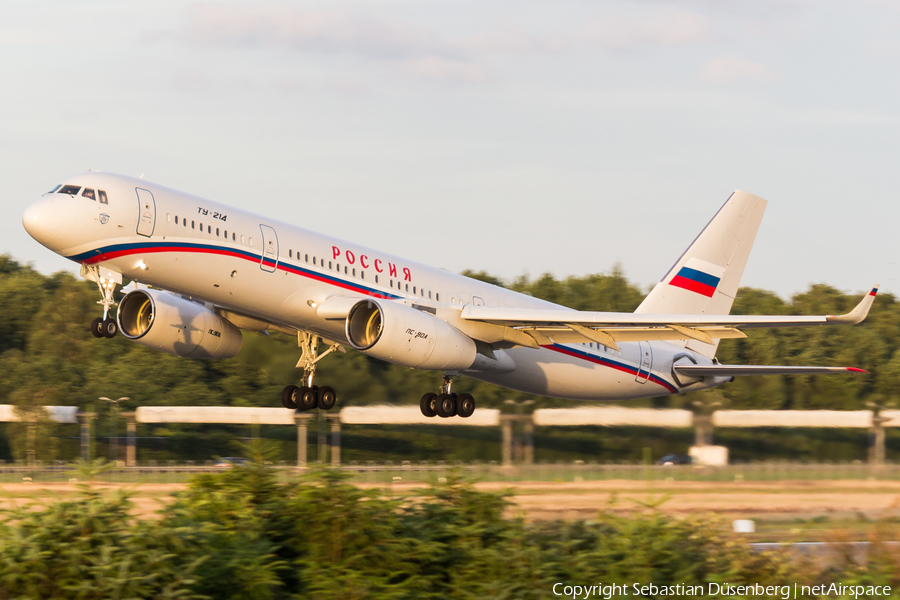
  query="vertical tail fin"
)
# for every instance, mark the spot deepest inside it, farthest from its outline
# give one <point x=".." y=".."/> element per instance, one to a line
<point x="705" y="279"/>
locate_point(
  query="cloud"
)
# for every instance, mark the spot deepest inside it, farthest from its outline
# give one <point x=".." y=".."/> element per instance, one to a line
<point x="406" y="49"/>
<point x="317" y="31"/>
<point x="667" y="28"/>
<point x="437" y="68"/>
<point x="733" y="68"/>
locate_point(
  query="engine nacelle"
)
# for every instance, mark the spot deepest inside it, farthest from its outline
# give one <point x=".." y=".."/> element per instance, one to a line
<point x="167" y="322"/>
<point x="405" y="336"/>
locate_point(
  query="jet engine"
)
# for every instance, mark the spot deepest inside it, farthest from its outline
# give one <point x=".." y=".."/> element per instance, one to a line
<point x="168" y="322"/>
<point x="405" y="336"/>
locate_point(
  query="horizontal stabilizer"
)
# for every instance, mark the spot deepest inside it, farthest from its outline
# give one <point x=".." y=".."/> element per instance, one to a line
<point x="738" y="370"/>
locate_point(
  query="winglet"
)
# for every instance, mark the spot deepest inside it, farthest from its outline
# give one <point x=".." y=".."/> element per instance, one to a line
<point x="858" y="314"/>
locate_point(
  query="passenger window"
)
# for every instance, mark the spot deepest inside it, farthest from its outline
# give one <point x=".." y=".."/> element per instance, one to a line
<point x="363" y="274"/>
<point x="306" y="257"/>
<point x="72" y="190"/>
<point x="437" y="296"/>
<point x="217" y="232"/>
<point x="407" y="288"/>
<point x="376" y="278"/>
<point x="290" y="254"/>
<point x="168" y="217"/>
<point x="176" y="219"/>
<point x="354" y="272"/>
<point x="251" y="242"/>
<point x="226" y="234"/>
<point x="329" y="264"/>
<point x="88" y="193"/>
<point x="242" y="240"/>
<point x="193" y="223"/>
<point x="201" y="227"/>
<point x="414" y="289"/>
<point x="345" y="270"/>
<point x="209" y="230"/>
<point x="184" y="222"/>
<point x="429" y="294"/>
<point x="233" y="236"/>
<point x="102" y="197"/>
<point x="314" y="260"/>
<point x="392" y="283"/>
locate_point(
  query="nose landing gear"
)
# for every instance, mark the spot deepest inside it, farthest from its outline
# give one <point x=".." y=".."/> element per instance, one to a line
<point x="106" y="280"/>
<point x="447" y="404"/>
<point x="309" y="396"/>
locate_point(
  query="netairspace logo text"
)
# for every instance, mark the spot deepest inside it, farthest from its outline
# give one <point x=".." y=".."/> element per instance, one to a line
<point x="784" y="592"/>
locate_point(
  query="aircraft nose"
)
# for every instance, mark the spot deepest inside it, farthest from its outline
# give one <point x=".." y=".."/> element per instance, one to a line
<point x="40" y="223"/>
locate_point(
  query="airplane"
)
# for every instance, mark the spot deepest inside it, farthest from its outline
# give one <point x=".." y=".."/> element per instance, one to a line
<point x="202" y="271"/>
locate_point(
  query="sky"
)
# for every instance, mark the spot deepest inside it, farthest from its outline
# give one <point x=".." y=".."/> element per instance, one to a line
<point x="516" y="137"/>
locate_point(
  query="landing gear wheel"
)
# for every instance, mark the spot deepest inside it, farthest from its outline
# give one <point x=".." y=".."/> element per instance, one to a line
<point x="326" y="398"/>
<point x="97" y="327"/>
<point x="306" y="399"/>
<point x="428" y="404"/>
<point x="465" y="405"/>
<point x="110" y="328"/>
<point x="446" y="405"/>
<point x="287" y="396"/>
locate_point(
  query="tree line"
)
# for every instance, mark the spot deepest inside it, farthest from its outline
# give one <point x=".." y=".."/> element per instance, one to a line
<point x="48" y="356"/>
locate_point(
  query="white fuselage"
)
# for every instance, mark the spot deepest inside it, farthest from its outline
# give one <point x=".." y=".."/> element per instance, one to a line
<point x="279" y="273"/>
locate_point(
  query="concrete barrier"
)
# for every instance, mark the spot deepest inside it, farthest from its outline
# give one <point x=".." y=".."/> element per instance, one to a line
<point x="384" y="414"/>
<point x="60" y="414"/>
<point x="793" y="418"/>
<point x="226" y="415"/>
<point x="612" y="416"/>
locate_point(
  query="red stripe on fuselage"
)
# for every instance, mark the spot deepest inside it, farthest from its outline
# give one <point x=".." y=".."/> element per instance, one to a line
<point x="612" y="365"/>
<point x="226" y="252"/>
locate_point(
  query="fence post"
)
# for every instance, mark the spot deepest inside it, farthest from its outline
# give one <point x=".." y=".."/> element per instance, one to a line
<point x="876" y="457"/>
<point x="335" y="439"/>
<point x="85" y="418"/>
<point x="131" y="448"/>
<point x="529" y="440"/>
<point x="301" y="419"/>
<point x="506" y="427"/>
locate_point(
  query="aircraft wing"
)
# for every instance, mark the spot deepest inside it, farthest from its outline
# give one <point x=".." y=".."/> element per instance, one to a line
<point x="571" y="326"/>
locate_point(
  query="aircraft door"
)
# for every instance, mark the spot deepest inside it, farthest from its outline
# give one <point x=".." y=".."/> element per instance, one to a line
<point x="146" y="212"/>
<point x="269" y="261"/>
<point x="643" y="373"/>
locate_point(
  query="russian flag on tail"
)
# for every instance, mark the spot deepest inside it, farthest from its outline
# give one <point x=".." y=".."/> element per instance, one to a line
<point x="696" y="281"/>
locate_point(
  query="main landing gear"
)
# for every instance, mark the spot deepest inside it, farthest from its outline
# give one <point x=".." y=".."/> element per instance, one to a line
<point x="447" y="404"/>
<point x="309" y="396"/>
<point x="106" y="326"/>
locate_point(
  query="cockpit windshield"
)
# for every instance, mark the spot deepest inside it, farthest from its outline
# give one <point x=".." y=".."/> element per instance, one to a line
<point x="54" y="189"/>
<point x="88" y="193"/>
<point x="72" y="190"/>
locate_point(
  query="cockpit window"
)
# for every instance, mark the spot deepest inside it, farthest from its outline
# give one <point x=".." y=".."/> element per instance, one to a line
<point x="72" y="190"/>
<point x="101" y="196"/>
<point x="54" y="189"/>
<point x="88" y="193"/>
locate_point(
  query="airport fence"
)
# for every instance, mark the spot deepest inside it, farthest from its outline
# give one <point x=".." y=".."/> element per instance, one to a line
<point x="171" y="472"/>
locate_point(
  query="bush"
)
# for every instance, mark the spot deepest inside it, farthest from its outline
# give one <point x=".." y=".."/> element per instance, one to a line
<point x="241" y="534"/>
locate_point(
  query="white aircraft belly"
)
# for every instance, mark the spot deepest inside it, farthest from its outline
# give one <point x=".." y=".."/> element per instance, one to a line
<point x="568" y="371"/>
